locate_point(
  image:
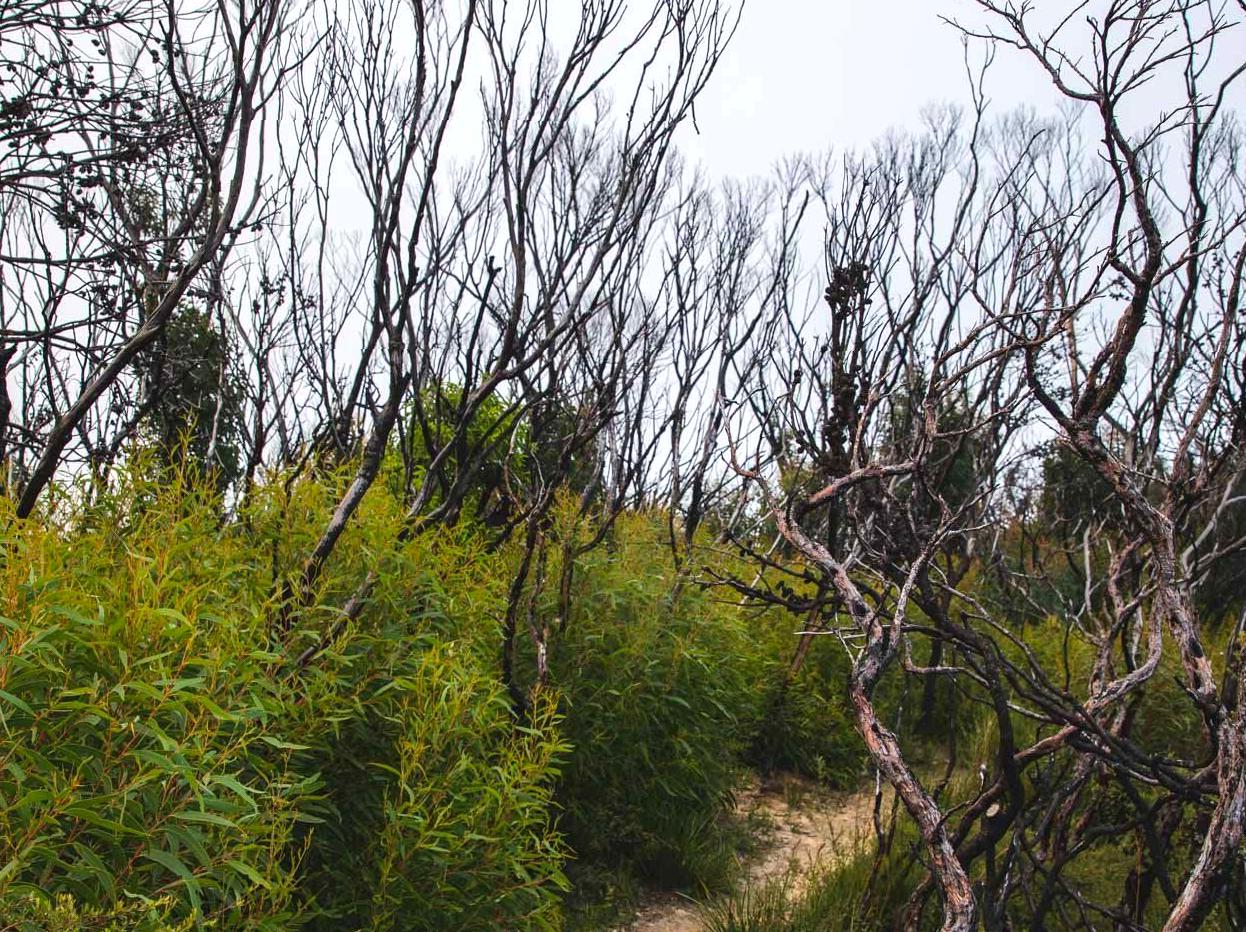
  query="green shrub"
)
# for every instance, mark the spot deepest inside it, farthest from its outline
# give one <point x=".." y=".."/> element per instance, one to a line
<point x="140" y="755"/>
<point x="158" y="746"/>
<point x="437" y="812"/>
<point x="40" y="913"/>
<point x="805" y="725"/>
<point x="155" y="748"/>
<point x="659" y="700"/>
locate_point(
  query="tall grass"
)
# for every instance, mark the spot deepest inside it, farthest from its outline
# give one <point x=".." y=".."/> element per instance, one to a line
<point x="853" y="894"/>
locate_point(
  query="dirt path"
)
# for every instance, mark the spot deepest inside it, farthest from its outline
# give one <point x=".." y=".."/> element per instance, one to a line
<point x="809" y="826"/>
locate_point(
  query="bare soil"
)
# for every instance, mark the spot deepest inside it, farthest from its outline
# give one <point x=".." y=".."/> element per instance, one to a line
<point x="808" y="827"/>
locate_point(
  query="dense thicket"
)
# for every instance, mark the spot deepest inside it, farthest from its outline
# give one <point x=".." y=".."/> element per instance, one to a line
<point x="421" y="488"/>
<point x="161" y="762"/>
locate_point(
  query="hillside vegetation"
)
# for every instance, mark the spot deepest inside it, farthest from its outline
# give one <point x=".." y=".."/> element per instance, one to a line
<point x="165" y="761"/>
<point x="427" y="497"/>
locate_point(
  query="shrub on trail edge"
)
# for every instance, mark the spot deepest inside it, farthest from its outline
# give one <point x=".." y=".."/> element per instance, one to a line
<point x="142" y="754"/>
<point x="161" y="763"/>
<point x="804" y="724"/>
<point x="659" y="702"/>
<point x="437" y="808"/>
<point x="159" y="767"/>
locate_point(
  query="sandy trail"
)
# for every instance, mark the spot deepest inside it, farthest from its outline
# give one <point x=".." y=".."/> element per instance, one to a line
<point x="809" y="826"/>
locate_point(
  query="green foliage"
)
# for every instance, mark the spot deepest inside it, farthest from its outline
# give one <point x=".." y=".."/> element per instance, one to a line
<point x="468" y="850"/>
<point x="494" y="431"/>
<point x="657" y="680"/>
<point x="39" y="913"/>
<point x="1074" y="495"/>
<point x="194" y="407"/>
<point x="552" y="427"/>
<point x="805" y="724"/>
<point x="512" y="450"/>
<point x="140" y="755"/>
<point x="164" y="763"/>
<point x="806" y="729"/>
<point x="155" y="747"/>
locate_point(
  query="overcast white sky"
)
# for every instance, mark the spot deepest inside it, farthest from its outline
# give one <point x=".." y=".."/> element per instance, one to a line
<point x="804" y="75"/>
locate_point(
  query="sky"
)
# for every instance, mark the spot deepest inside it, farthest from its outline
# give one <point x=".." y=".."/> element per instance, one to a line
<point x="808" y="76"/>
<point x="804" y="75"/>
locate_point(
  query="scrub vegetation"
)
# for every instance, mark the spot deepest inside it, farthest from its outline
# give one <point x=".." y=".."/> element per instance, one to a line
<point x="428" y="502"/>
